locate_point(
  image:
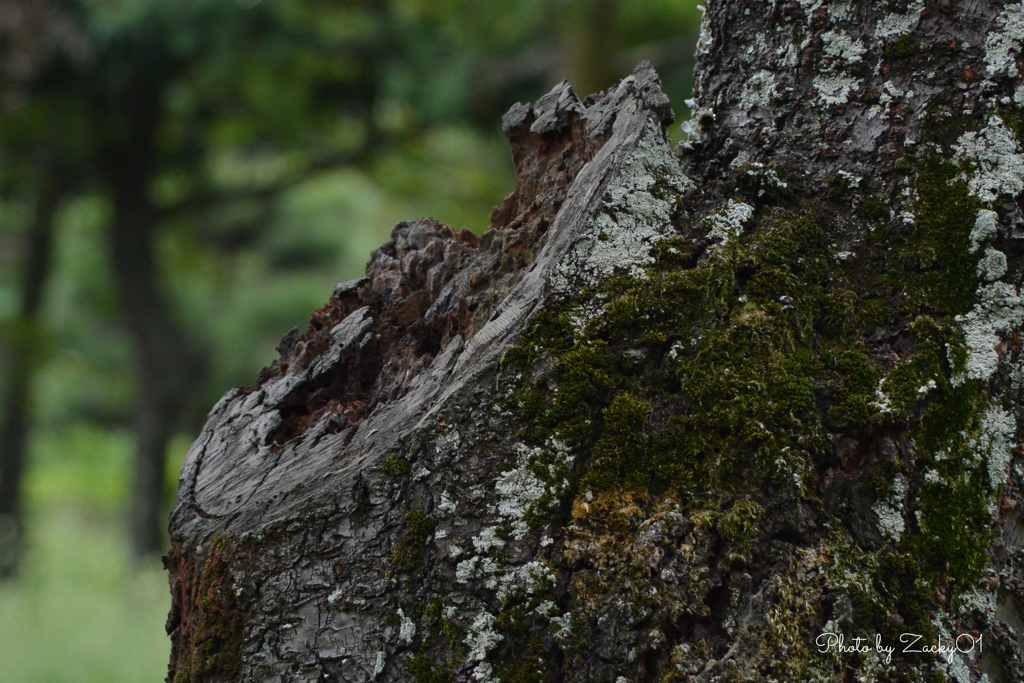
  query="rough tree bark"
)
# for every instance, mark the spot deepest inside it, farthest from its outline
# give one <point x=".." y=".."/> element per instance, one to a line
<point x="676" y="414"/>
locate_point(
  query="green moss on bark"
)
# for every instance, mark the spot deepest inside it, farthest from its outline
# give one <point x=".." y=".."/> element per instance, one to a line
<point x="725" y="383"/>
<point x="903" y="47"/>
<point x="216" y="629"/>
<point x="410" y="551"/>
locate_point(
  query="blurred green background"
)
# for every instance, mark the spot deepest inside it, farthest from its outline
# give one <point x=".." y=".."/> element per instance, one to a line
<point x="182" y="182"/>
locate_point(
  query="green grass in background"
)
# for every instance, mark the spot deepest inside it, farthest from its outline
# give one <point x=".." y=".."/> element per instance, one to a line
<point x="80" y="612"/>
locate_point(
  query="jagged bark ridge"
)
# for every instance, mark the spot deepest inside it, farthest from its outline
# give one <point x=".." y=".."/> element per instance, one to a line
<point x="374" y="376"/>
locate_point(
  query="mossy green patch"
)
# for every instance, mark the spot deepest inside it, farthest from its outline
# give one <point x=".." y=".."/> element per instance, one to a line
<point x="396" y="466"/>
<point x="215" y="641"/>
<point x="902" y="47"/>
<point x="734" y="373"/>
<point x="953" y="496"/>
<point x="944" y="123"/>
<point x="410" y="550"/>
<point x="621" y="454"/>
<point x="841" y="188"/>
<point x="761" y="184"/>
<point x="873" y="209"/>
<point x="424" y="669"/>
<point x="727" y="378"/>
<point x="442" y="650"/>
<point x="1014" y="121"/>
<point x="528" y="667"/>
<point x="615" y="544"/>
<point x="936" y="251"/>
<point x="739" y="527"/>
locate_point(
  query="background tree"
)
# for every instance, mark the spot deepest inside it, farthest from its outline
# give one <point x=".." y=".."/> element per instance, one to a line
<point x="677" y="412"/>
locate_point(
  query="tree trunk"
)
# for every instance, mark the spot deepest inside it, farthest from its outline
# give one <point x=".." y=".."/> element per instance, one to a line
<point x="589" y="44"/>
<point x="169" y="364"/>
<point x="675" y="417"/>
<point x="22" y="361"/>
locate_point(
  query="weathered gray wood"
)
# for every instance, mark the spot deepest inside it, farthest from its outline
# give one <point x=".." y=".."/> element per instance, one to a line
<point x="232" y="472"/>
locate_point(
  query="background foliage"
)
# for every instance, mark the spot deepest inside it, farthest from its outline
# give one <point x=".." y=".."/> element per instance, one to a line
<point x="288" y="137"/>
